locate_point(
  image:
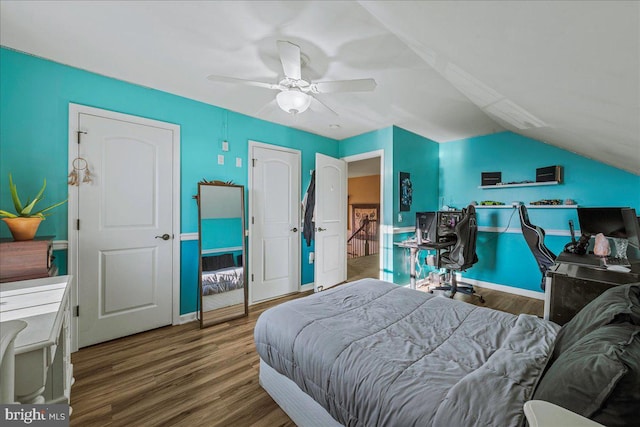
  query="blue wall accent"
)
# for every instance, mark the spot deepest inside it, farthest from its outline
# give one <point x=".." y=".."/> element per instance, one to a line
<point x="381" y="139"/>
<point x="60" y="260"/>
<point x="34" y="99"/>
<point x="504" y="257"/>
<point x="221" y="233"/>
<point x="189" y="257"/>
<point x="419" y="157"/>
<point x="407" y="152"/>
<point x="35" y="96"/>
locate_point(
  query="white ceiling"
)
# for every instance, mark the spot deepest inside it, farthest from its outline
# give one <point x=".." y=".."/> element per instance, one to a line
<point x="563" y="72"/>
<point x="366" y="167"/>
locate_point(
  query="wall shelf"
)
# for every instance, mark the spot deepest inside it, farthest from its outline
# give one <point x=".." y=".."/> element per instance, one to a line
<point x="529" y="207"/>
<point x="525" y="184"/>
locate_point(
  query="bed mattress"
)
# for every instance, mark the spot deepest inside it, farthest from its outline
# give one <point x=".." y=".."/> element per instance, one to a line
<point x="222" y="280"/>
<point x="374" y="353"/>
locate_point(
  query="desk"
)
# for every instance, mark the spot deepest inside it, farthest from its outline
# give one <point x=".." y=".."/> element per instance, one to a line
<point x="43" y="348"/>
<point x="571" y="286"/>
<point x="414" y="248"/>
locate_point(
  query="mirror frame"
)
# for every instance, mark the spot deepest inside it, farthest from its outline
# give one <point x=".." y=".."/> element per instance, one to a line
<point x="245" y="285"/>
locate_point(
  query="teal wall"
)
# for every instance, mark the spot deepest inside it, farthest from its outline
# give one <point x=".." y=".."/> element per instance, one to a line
<point x="504" y="257"/>
<point x="419" y="157"/>
<point x="34" y="101"/>
<point x="404" y="151"/>
<point x="221" y="233"/>
<point x="381" y="139"/>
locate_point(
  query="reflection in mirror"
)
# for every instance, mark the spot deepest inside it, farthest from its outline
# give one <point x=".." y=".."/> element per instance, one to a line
<point x="223" y="291"/>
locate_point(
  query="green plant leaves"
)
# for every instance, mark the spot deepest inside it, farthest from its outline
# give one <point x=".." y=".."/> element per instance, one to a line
<point x="26" y="211"/>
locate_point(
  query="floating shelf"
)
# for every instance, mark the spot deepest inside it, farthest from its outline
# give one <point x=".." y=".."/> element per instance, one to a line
<point x="529" y="207"/>
<point x="525" y="184"/>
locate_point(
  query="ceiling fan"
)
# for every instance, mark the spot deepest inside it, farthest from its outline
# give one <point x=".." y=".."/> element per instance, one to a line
<point x="296" y="94"/>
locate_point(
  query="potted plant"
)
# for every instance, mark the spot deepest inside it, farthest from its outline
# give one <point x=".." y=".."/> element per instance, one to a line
<point x="24" y="223"/>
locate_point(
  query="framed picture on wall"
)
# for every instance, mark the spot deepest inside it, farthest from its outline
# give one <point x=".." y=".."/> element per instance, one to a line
<point x="406" y="192"/>
<point x="369" y="212"/>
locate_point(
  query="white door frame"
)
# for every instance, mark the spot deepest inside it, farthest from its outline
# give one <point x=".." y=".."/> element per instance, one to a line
<point x="381" y="228"/>
<point x="73" y="204"/>
<point x="256" y="144"/>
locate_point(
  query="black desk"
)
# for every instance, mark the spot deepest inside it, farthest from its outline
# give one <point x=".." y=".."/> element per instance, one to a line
<point x="414" y="248"/>
<point x="574" y="282"/>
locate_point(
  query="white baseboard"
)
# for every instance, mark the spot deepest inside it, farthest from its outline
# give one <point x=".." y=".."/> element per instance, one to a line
<point x="189" y="317"/>
<point x="503" y="288"/>
<point x="60" y="245"/>
<point x="306" y="287"/>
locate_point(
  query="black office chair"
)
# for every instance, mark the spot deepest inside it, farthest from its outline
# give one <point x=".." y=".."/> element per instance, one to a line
<point x="462" y="255"/>
<point x="534" y="236"/>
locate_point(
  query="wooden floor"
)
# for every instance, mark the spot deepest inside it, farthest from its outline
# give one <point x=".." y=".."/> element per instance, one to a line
<point x="186" y="376"/>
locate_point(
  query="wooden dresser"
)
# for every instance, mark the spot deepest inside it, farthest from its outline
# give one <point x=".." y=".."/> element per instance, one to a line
<point x="29" y="259"/>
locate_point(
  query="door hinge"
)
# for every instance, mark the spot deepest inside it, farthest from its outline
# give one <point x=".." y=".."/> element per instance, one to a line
<point x="80" y="132"/>
<point x="76" y="311"/>
<point x="252" y="277"/>
<point x="253" y="163"/>
<point x="77" y="224"/>
<point x="252" y="220"/>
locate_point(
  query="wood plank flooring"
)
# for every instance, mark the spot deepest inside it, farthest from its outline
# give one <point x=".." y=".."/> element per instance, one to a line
<point x="186" y="376"/>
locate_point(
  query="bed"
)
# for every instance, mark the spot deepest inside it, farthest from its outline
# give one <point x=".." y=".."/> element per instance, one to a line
<point x="220" y="274"/>
<point x="371" y="353"/>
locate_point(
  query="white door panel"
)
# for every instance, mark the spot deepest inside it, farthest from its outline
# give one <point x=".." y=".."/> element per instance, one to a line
<point x="124" y="271"/>
<point x="274" y="207"/>
<point x="331" y="222"/>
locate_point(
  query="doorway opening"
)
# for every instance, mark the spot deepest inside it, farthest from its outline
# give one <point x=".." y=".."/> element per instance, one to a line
<point x="364" y="225"/>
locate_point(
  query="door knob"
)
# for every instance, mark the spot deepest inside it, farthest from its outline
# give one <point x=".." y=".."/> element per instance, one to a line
<point x="165" y="236"/>
<point x="294" y="229"/>
<point x="321" y="229"/>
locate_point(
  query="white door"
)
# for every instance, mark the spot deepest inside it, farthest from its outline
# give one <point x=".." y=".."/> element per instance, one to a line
<point x="274" y="223"/>
<point x="331" y="222"/>
<point x="124" y="264"/>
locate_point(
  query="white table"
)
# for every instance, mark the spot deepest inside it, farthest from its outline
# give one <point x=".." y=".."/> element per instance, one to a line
<point x="44" y="373"/>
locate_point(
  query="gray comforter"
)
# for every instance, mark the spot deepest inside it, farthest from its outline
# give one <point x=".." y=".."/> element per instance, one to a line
<point x="376" y="354"/>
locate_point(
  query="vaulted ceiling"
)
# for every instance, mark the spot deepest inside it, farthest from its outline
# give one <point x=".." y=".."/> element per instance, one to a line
<point x="563" y="72"/>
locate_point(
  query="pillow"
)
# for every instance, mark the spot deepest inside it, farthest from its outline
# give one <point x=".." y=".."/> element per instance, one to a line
<point x="598" y="377"/>
<point x="615" y="305"/>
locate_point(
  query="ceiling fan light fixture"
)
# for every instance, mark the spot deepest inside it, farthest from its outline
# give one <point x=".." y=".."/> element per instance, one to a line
<point x="293" y="101"/>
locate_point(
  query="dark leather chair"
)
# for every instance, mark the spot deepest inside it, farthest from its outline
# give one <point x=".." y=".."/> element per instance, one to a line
<point x="462" y="255"/>
<point x="534" y="236"/>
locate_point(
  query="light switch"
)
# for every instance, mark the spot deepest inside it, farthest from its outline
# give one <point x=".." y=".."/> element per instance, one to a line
<point x="238" y="162"/>
<point x="225" y="146"/>
<point x="220" y="159"/>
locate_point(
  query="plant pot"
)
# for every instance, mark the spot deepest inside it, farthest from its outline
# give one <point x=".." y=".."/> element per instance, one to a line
<point x="23" y="228"/>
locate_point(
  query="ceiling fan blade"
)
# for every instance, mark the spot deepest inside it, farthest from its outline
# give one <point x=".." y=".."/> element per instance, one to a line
<point x="290" y="58"/>
<point x="319" y="106"/>
<point x="226" y="79"/>
<point x="359" y="85"/>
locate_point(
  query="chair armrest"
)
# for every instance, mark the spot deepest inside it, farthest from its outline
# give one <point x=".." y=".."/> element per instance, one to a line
<point x="544" y="414"/>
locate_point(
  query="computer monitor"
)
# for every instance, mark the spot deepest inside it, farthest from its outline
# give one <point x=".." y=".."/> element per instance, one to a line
<point x="426" y="226"/>
<point x="447" y="221"/>
<point x="608" y="221"/>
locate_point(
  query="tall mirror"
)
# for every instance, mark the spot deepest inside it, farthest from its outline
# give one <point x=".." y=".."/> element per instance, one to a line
<point x="223" y="289"/>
